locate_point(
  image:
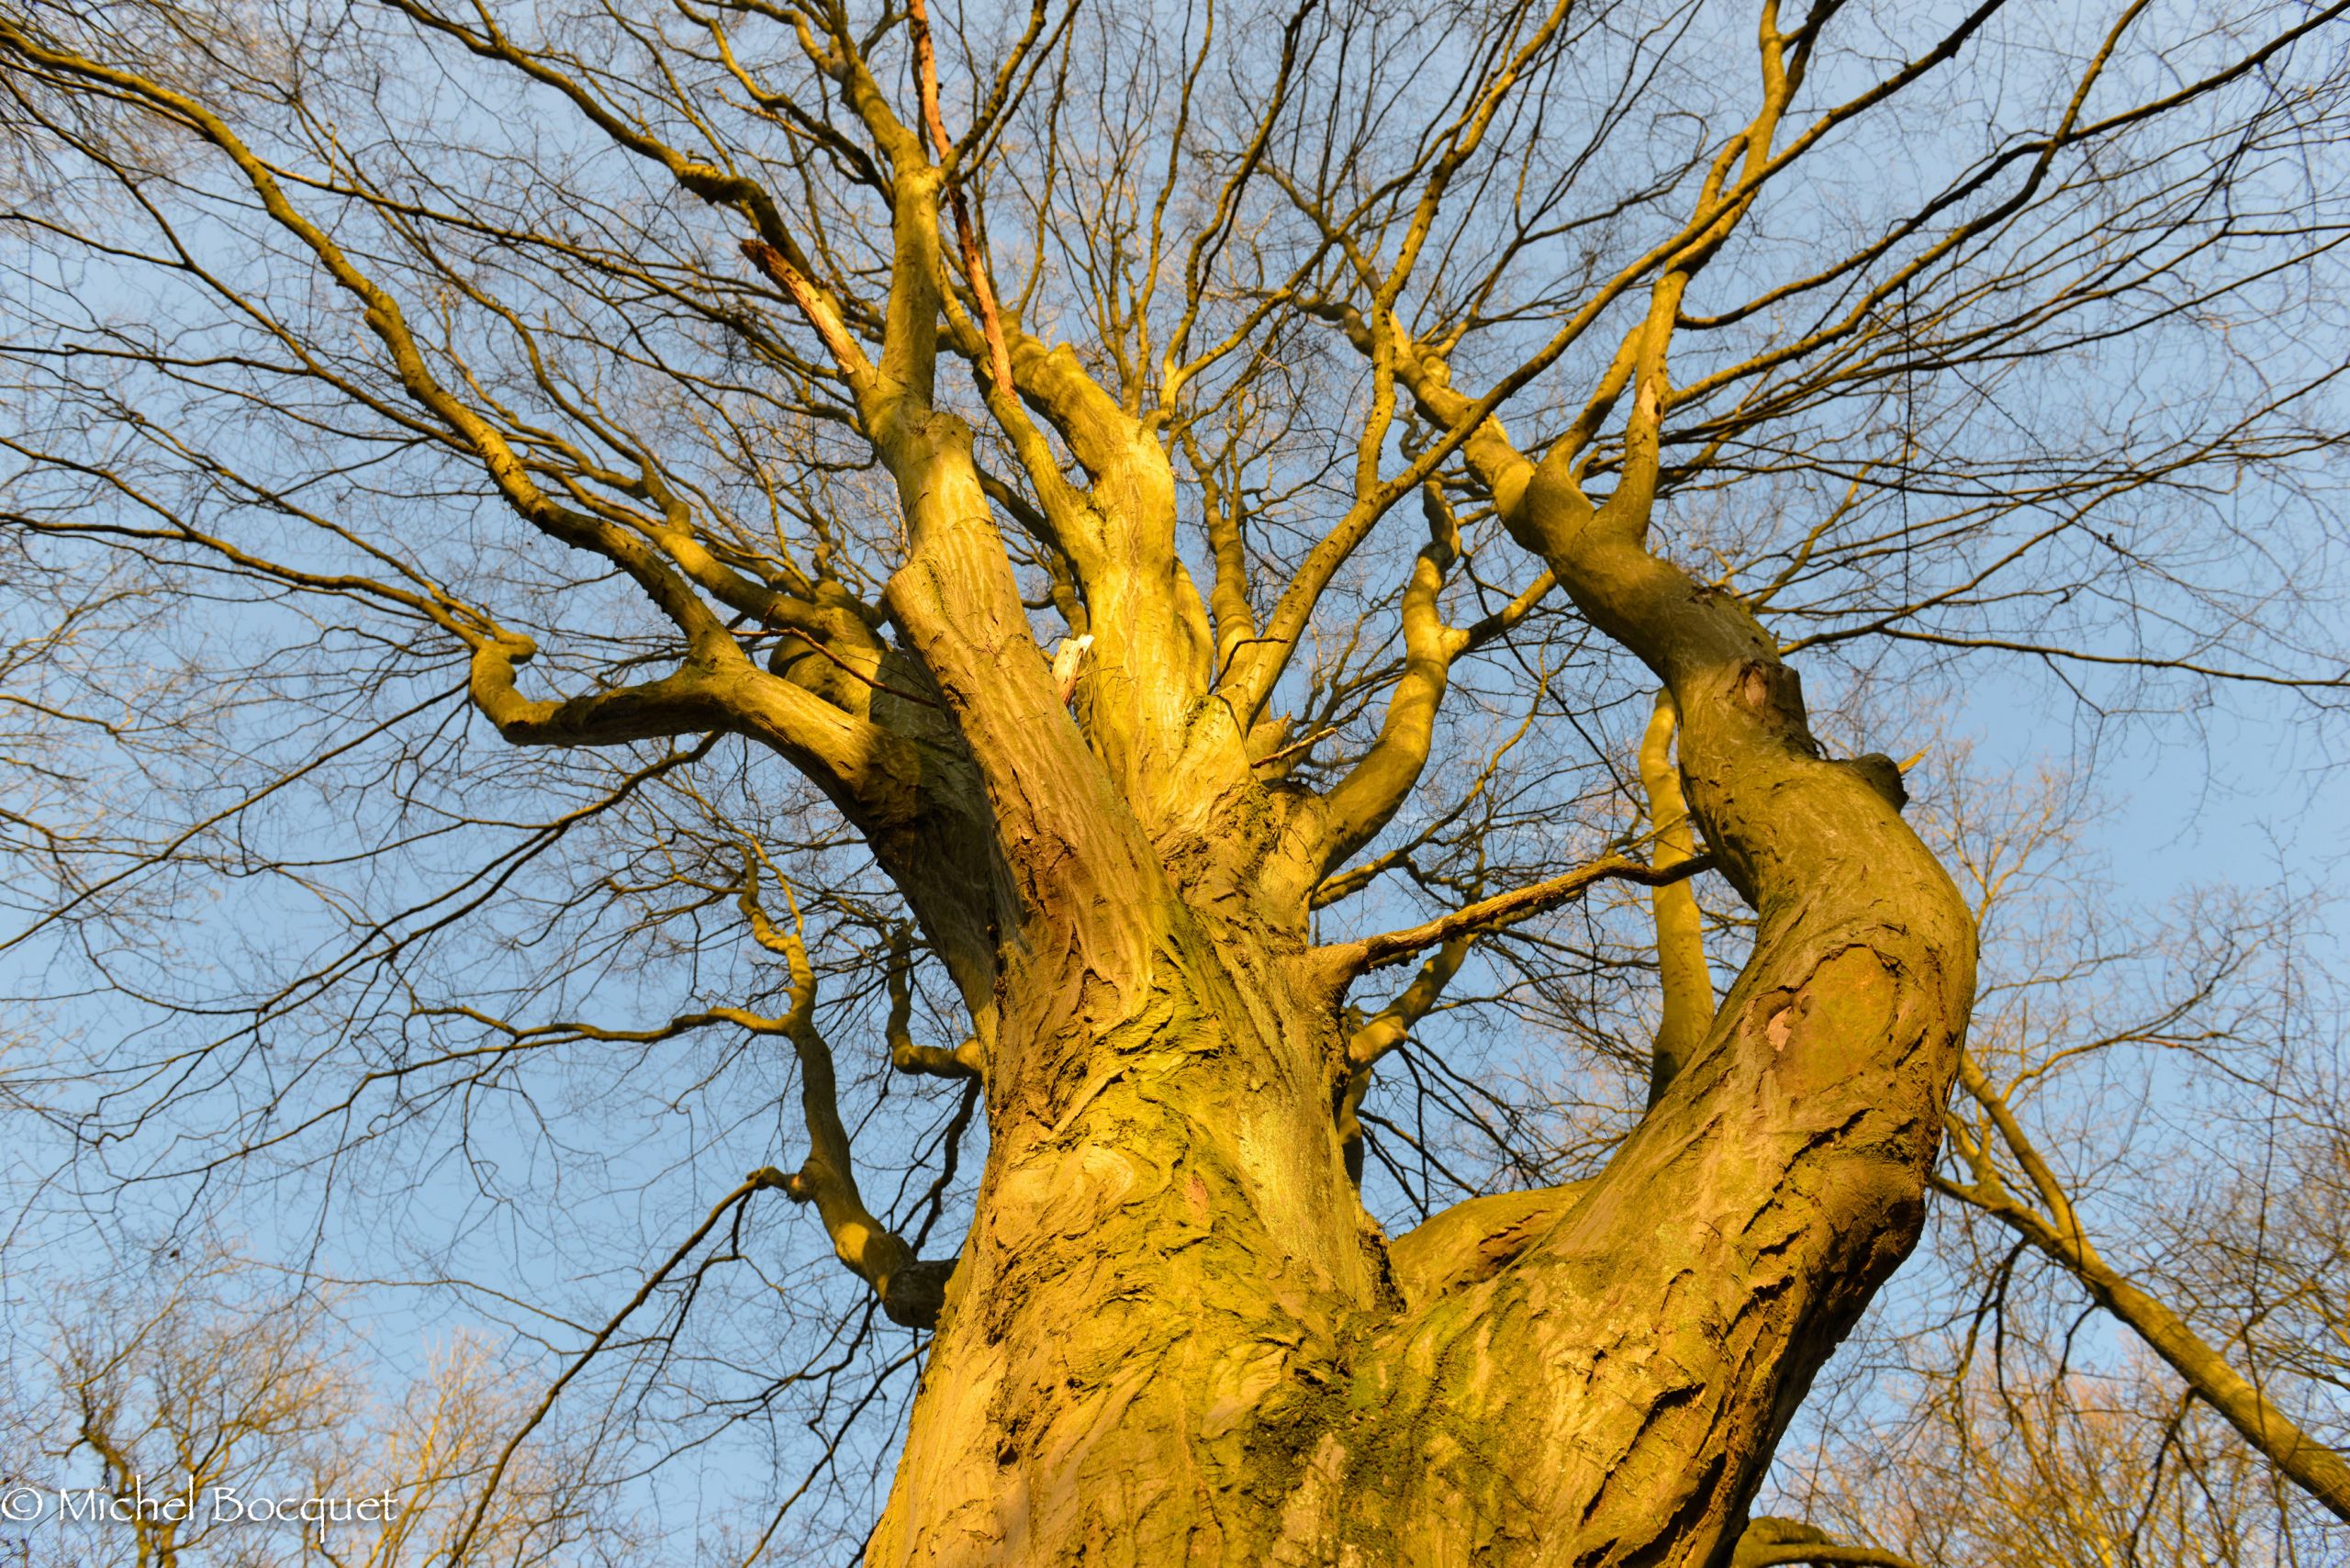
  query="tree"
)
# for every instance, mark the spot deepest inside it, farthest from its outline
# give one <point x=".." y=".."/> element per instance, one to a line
<point x="835" y="418"/>
<point x="196" y="1381"/>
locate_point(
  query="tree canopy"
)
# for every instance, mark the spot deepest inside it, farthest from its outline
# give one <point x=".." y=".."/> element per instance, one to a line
<point x="1236" y="683"/>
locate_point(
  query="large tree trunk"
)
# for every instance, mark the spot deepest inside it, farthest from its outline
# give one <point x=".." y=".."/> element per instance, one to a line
<point x="1174" y="1337"/>
<point x="1173" y="1334"/>
<point x="1150" y="1322"/>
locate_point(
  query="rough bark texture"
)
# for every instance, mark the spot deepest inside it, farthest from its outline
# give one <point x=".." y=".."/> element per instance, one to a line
<point x="1172" y="1336"/>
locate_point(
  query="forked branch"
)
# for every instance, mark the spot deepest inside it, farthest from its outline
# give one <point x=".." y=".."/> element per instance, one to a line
<point x="910" y="1290"/>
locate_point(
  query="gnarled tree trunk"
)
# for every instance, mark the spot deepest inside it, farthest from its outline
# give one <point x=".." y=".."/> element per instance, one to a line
<point x="1174" y="1337"/>
<point x="1173" y="1334"/>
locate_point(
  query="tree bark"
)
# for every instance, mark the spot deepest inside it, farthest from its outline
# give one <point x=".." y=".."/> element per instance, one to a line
<point x="1174" y="1337"/>
<point x="1151" y="1316"/>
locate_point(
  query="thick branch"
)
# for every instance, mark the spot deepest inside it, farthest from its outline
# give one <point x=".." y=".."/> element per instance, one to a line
<point x="1798" y="1139"/>
<point x="2310" y="1464"/>
<point x="910" y="1290"/>
<point x="1769" y="1542"/>
<point x="1687" y="984"/>
<point x="1504" y="909"/>
<point x="1362" y="803"/>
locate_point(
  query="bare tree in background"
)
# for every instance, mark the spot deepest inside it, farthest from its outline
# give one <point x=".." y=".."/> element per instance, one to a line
<point x="1103" y="537"/>
<point x="209" y="1390"/>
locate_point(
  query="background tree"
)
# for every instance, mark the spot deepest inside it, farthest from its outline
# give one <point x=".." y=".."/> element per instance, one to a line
<point x="1089" y="535"/>
<point x="203" y="1373"/>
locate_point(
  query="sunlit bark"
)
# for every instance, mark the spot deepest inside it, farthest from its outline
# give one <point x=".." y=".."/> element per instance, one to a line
<point x="1173" y="1332"/>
